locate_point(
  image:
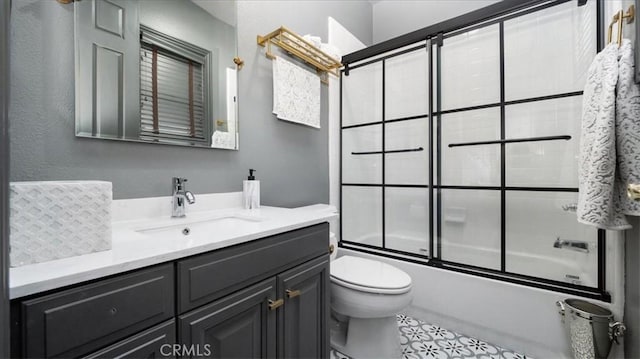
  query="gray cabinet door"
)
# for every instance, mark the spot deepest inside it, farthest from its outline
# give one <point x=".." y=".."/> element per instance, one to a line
<point x="303" y="322"/>
<point x="156" y="342"/>
<point x="81" y="320"/>
<point x="240" y="325"/>
<point x="107" y="68"/>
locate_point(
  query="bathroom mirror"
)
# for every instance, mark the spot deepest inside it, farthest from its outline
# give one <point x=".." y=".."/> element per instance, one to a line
<point x="157" y="71"/>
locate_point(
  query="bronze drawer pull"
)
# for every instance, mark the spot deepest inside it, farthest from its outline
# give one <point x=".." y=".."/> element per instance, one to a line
<point x="292" y="293"/>
<point x="275" y="304"/>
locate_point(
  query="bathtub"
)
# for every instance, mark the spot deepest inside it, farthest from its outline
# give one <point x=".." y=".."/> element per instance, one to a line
<point x="557" y="264"/>
<point x="514" y="316"/>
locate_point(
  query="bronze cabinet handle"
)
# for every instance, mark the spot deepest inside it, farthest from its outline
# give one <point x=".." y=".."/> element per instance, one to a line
<point x="292" y="293"/>
<point x="332" y="248"/>
<point x="275" y="304"/>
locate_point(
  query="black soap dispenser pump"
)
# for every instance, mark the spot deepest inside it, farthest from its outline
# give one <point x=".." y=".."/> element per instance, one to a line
<point x="251" y="192"/>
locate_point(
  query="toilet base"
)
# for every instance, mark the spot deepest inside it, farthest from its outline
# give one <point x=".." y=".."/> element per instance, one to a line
<point x="367" y="338"/>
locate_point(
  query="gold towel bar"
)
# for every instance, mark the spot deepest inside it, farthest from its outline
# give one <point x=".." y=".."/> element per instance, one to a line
<point x="295" y="45"/>
<point x="618" y="18"/>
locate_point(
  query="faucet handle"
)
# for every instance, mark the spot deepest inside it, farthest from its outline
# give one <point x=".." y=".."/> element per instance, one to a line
<point x="178" y="182"/>
<point x="191" y="199"/>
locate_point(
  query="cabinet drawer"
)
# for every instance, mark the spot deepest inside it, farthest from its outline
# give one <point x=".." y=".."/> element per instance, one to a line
<point x="78" y="321"/>
<point x="207" y="277"/>
<point x="156" y="342"/>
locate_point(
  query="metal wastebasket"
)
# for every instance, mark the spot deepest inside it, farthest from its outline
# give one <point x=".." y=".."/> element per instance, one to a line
<point x="590" y="328"/>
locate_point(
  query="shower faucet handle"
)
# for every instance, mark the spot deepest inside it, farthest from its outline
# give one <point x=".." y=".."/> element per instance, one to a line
<point x="580" y="246"/>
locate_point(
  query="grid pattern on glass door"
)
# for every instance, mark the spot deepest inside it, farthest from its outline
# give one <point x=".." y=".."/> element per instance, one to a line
<point x="482" y="176"/>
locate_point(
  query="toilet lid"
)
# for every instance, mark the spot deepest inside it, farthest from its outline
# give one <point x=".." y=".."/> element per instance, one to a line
<point x="369" y="275"/>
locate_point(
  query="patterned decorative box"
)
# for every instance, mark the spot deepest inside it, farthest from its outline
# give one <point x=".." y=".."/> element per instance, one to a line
<point x="57" y="219"/>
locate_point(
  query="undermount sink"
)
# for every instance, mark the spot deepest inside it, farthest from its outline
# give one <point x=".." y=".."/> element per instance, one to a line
<point x="204" y="228"/>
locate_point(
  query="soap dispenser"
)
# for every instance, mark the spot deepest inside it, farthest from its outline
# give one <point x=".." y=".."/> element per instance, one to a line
<point x="251" y="192"/>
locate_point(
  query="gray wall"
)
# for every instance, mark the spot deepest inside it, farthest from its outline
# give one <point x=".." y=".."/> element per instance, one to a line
<point x="292" y="160"/>
<point x="632" y="291"/>
<point x="4" y="180"/>
<point x="393" y="18"/>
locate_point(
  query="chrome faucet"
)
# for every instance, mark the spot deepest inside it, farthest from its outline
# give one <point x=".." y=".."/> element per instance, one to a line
<point x="179" y="196"/>
<point x="580" y="246"/>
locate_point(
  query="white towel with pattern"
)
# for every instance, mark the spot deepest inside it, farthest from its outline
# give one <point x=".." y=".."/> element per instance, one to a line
<point x="598" y="201"/>
<point x="627" y="129"/>
<point x="296" y="93"/>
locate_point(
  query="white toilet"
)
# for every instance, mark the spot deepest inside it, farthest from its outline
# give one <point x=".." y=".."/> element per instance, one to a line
<point x="366" y="295"/>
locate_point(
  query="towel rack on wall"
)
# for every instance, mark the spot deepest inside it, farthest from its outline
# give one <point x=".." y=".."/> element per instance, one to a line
<point x="618" y="18"/>
<point x="299" y="47"/>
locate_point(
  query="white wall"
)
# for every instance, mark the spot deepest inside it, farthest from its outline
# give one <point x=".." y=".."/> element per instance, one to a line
<point x="346" y="42"/>
<point x="393" y="18"/>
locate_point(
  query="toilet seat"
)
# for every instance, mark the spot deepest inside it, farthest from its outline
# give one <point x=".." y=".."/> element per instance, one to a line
<point x="369" y="276"/>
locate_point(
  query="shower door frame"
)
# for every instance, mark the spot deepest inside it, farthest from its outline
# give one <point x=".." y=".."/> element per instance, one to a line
<point x="433" y="37"/>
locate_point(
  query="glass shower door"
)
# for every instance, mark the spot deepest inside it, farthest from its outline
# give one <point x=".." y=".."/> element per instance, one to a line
<point x="362" y="162"/>
<point x="463" y="149"/>
<point x="406" y="146"/>
<point x="469" y="177"/>
<point x="547" y="55"/>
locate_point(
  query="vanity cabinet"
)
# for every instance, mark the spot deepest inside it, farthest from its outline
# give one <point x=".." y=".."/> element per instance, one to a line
<point x="281" y="310"/>
<point x="284" y="316"/>
<point x="81" y="320"/>
<point x="266" y="298"/>
<point x="210" y="276"/>
<point x="152" y="343"/>
<point x="241" y="325"/>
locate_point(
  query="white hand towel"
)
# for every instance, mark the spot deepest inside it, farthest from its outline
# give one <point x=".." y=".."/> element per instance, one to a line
<point x="221" y="139"/>
<point x="627" y="129"/>
<point x="598" y="202"/>
<point x="296" y="93"/>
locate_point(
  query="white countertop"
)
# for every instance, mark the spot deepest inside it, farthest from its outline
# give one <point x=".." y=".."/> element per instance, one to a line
<point x="132" y="249"/>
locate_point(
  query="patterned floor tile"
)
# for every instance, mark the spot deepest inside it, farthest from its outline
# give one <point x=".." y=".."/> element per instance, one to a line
<point x="420" y="340"/>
